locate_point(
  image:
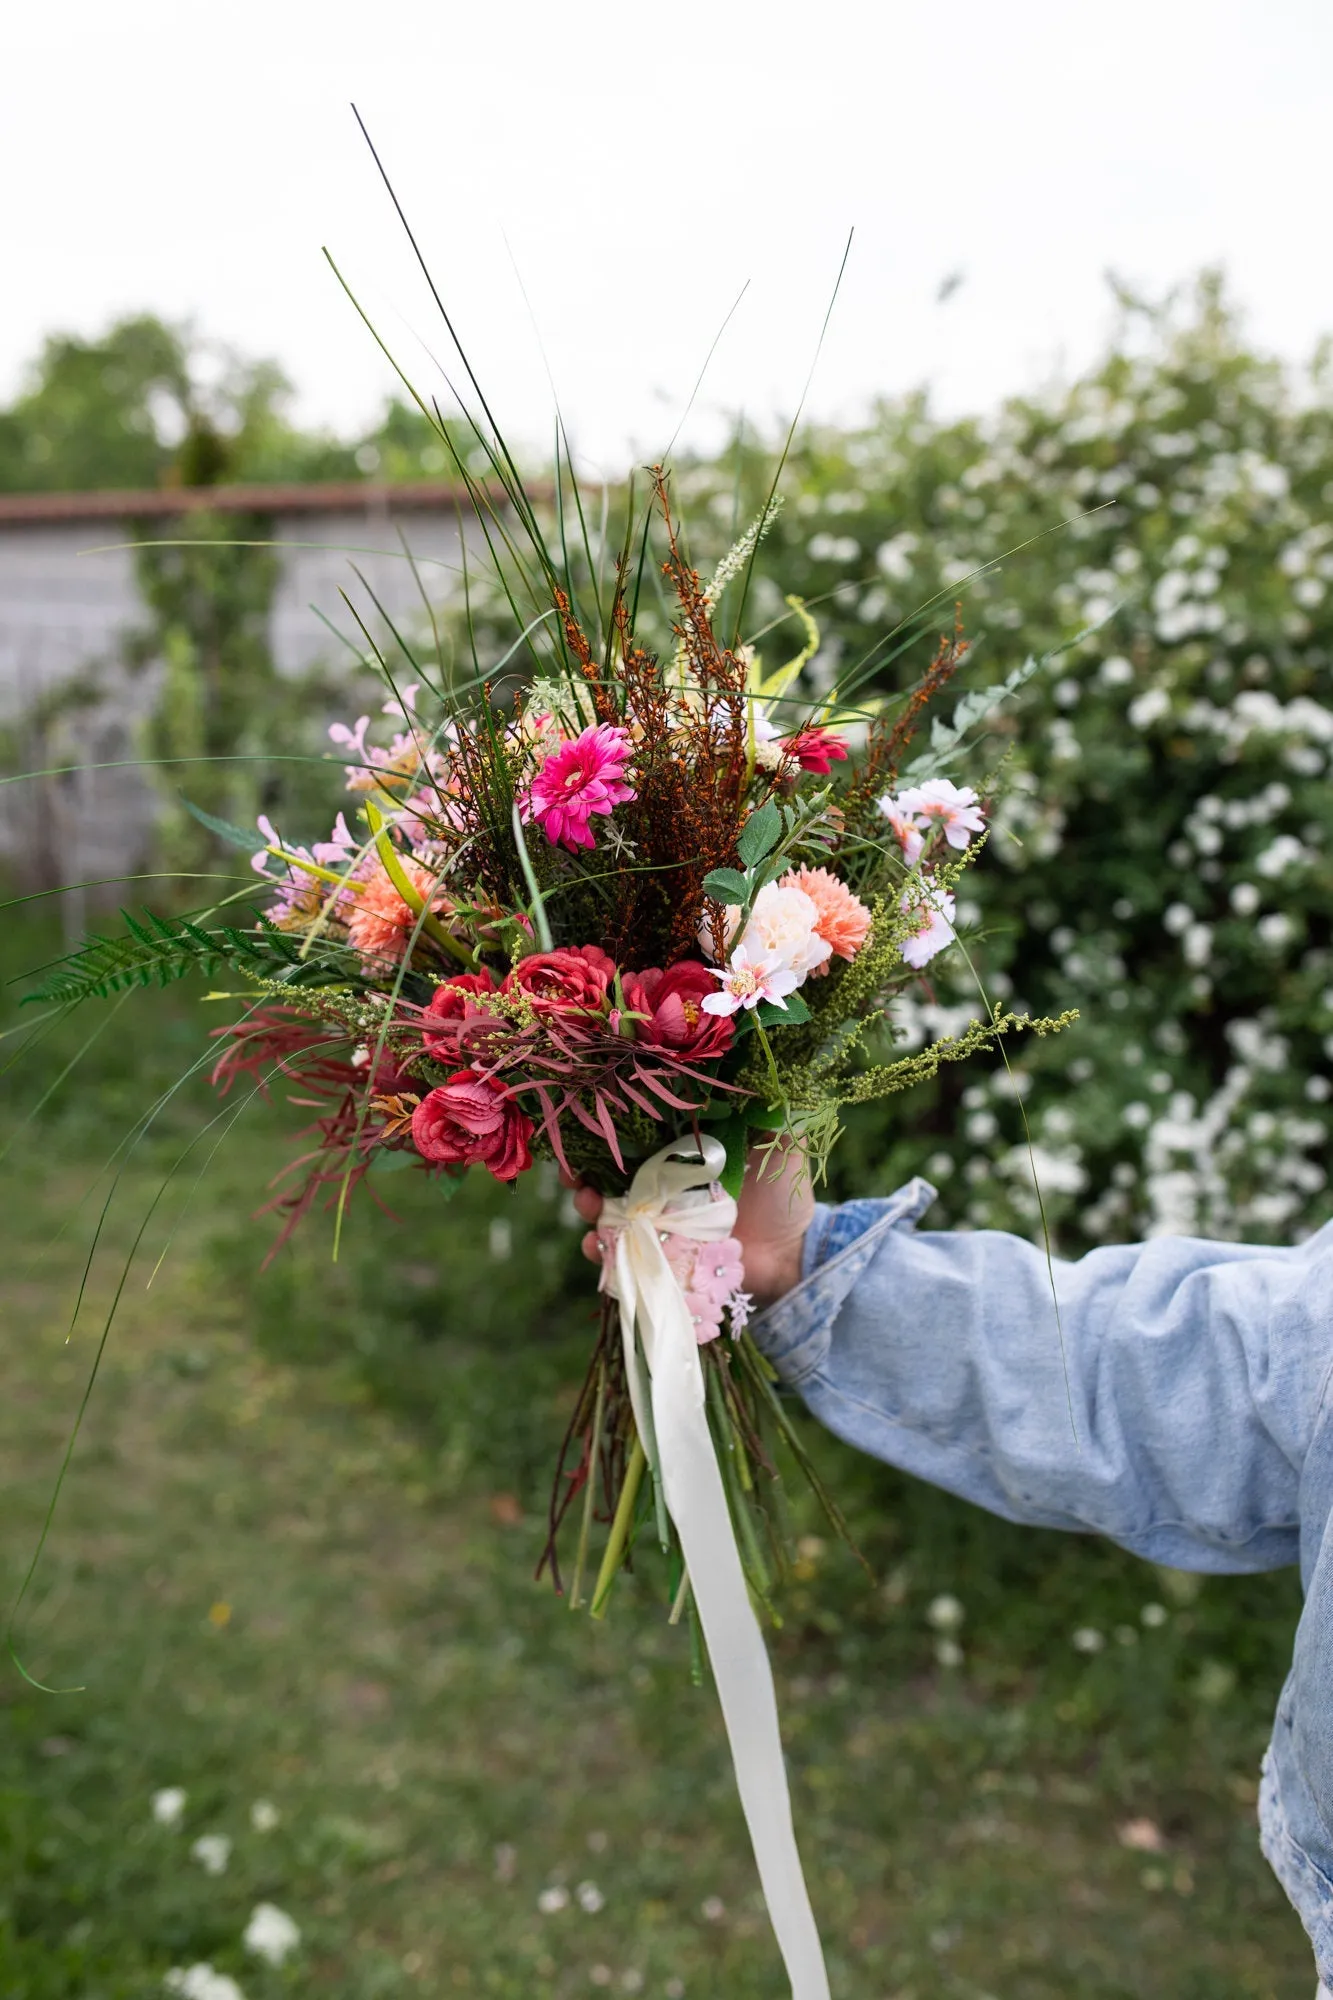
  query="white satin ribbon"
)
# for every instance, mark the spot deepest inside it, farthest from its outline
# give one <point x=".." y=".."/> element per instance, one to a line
<point x="670" y="1194"/>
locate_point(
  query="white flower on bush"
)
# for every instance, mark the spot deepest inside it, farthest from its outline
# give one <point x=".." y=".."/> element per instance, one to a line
<point x="200" y="1982"/>
<point x="1149" y="707"/>
<point x="212" y="1851"/>
<point x="271" y="1934"/>
<point x="264" y="1816"/>
<point x="169" y="1805"/>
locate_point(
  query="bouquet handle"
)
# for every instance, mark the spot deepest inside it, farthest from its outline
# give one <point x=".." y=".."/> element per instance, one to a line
<point x="670" y="1196"/>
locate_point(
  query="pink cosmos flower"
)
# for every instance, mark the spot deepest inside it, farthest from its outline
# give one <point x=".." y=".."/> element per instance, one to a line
<point x="907" y="829"/>
<point x="955" y="809"/>
<point x="582" y="777"/>
<point x="934" y="917"/>
<point x="746" y="981"/>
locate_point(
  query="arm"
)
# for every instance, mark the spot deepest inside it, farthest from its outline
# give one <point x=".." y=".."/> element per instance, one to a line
<point x="1170" y="1407"/>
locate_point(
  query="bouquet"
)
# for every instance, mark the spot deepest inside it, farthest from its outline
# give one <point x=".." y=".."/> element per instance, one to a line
<point x="640" y="905"/>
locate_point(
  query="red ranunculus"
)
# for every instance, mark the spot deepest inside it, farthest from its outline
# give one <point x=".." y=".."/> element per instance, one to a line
<point x="561" y="982"/>
<point x="451" y="1006"/>
<point x="472" y="1121"/>
<point x="673" y="1003"/>
<point x="817" y="750"/>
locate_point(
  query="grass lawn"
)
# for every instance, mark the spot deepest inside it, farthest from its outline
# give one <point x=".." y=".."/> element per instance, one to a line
<point x="292" y="1564"/>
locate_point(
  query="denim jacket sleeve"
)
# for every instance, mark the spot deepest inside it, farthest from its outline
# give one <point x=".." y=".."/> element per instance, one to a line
<point x="1163" y="1394"/>
<point x="1178" y="1403"/>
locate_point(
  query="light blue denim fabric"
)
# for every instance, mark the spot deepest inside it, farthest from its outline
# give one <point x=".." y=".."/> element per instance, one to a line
<point x="1180" y="1407"/>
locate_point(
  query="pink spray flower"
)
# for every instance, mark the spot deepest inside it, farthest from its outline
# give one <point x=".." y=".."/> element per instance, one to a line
<point x="582" y="777"/>
<point x="933" y="915"/>
<point x="719" y="1272"/>
<point x="746" y="981"/>
<point x="956" y="809"/>
<point x="908" y="830"/>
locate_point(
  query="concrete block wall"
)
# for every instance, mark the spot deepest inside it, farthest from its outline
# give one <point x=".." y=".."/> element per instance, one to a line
<point x="69" y="606"/>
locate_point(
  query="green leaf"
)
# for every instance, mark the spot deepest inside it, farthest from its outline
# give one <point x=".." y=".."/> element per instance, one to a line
<point x="791" y="1016"/>
<point x="158" y="950"/>
<point x="249" y="840"/>
<point x="733" y="1137"/>
<point x="762" y="831"/>
<point x="725" y="885"/>
<point x="385" y="1160"/>
<point x="763" y="1118"/>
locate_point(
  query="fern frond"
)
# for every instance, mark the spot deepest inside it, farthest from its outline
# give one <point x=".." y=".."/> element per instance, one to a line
<point x="158" y="950"/>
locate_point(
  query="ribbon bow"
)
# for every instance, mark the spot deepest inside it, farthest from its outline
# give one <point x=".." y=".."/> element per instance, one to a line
<point x="672" y="1195"/>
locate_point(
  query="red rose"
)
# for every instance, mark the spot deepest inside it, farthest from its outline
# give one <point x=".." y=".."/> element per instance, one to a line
<point x="451" y="1007"/>
<point x="817" y="750"/>
<point x="676" y="1019"/>
<point x="561" y="982"/>
<point x="471" y="1121"/>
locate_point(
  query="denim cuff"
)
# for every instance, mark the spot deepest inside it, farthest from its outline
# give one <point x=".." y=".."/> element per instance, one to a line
<point x="840" y="1242"/>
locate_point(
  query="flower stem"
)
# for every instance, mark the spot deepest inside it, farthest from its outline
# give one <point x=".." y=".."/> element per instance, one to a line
<point x="589" y="1492"/>
<point x="313" y="868"/>
<point x="402" y="882"/>
<point x="620" y="1526"/>
<point x="767" y="1048"/>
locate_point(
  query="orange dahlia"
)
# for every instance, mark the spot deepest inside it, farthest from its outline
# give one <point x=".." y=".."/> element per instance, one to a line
<point x="841" y="918"/>
<point x="379" y="922"/>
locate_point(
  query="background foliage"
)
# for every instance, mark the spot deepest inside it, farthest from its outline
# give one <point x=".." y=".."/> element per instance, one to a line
<point x="1160" y="859"/>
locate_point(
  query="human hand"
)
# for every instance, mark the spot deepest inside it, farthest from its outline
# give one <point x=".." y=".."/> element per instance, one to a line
<point x="775" y="1209"/>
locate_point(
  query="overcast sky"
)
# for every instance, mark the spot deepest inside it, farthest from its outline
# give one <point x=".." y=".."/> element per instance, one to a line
<point x="636" y="164"/>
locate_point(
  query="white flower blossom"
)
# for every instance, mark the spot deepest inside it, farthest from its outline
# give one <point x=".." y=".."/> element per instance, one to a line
<point x="169" y="1805"/>
<point x="271" y="1934"/>
<point x="200" y="1982"/>
<point x="212" y="1851"/>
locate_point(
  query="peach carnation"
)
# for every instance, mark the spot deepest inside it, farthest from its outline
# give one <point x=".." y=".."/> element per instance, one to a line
<point x="379" y="922"/>
<point x="841" y="918"/>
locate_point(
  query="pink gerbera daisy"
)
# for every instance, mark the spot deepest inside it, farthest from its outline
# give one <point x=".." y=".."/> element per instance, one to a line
<point x="582" y="777"/>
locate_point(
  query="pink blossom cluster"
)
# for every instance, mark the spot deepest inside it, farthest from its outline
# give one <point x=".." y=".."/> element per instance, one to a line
<point x="408" y="756"/>
<point x="298" y="886"/>
<point x="915" y="815"/>
<point x="711" y="1275"/>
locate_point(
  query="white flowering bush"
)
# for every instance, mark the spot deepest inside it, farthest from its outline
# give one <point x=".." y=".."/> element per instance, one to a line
<point x="1160" y="856"/>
